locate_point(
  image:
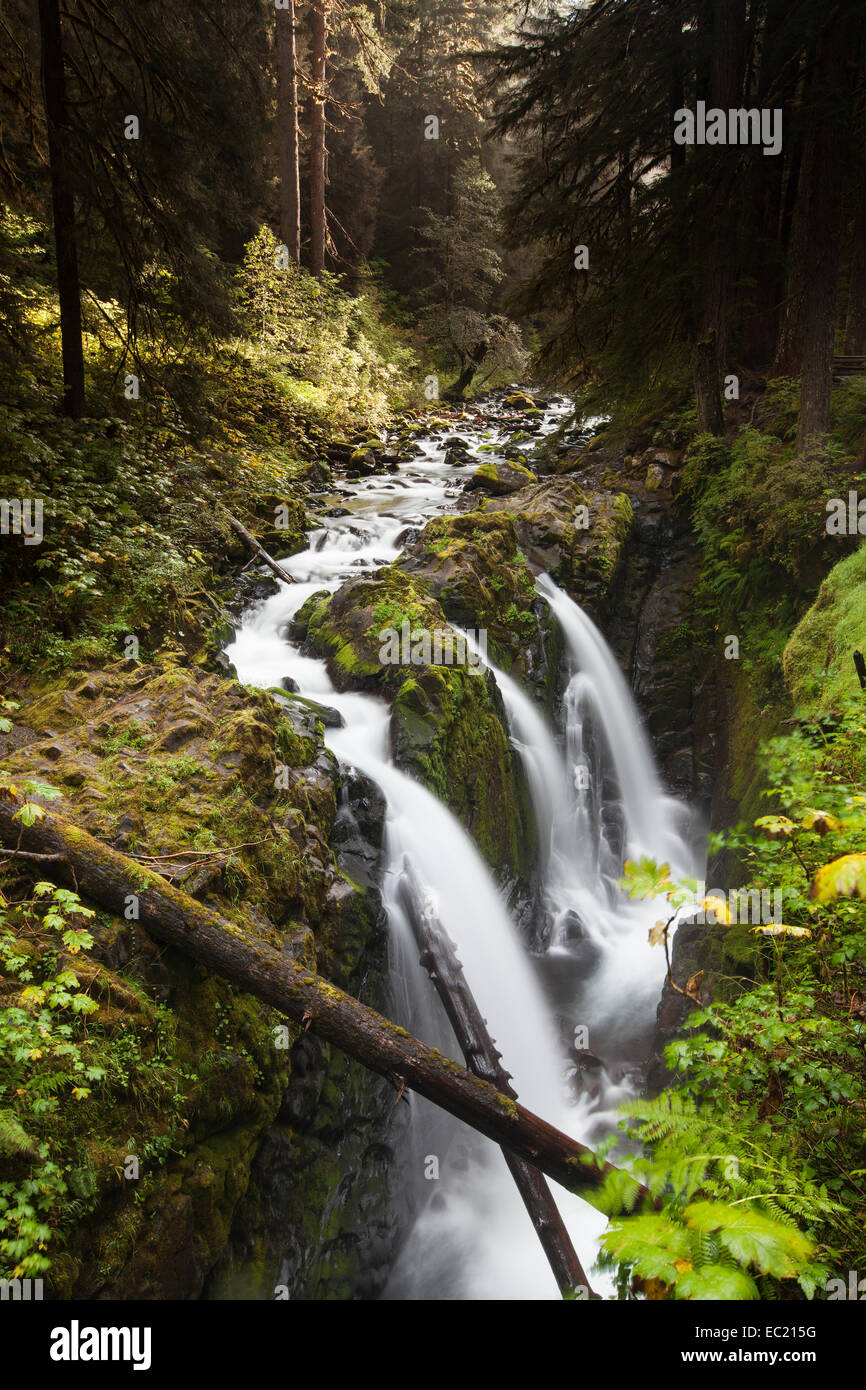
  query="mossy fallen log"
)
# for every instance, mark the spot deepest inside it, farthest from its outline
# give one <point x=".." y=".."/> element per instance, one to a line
<point x="110" y="879"/>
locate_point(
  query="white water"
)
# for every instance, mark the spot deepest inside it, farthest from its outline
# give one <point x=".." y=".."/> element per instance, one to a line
<point x="472" y="1238"/>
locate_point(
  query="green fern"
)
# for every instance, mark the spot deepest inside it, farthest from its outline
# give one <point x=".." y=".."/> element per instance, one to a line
<point x="752" y="1220"/>
<point x="14" y="1140"/>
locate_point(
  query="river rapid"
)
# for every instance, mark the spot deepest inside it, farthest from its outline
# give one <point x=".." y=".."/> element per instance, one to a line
<point x="573" y="1020"/>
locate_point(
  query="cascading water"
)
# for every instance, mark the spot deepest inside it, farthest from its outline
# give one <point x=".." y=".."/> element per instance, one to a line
<point x="596" y="799"/>
<point x="471" y="1237"/>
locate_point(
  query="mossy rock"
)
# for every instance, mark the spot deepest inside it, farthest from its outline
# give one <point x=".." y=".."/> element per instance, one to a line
<point x="472" y="563"/>
<point x="347" y="628"/>
<point x="579" y="537"/>
<point x="447" y="728"/>
<point x="499" y="478"/>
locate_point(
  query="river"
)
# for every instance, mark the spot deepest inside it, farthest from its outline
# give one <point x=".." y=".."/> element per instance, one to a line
<point x="573" y="1019"/>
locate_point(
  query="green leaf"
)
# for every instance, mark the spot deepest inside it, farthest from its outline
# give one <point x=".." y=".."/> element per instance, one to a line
<point x="713" y="1281"/>
<point x="651" y="1244"/>
<point x="775" y="827"/>
<point x="35" y="788"/>
<point x="751" y="1237"/>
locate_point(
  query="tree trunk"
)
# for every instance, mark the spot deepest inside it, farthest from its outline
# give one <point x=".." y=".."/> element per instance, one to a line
<point x="788" y="358"/>
<point x="764" y="200"/>
<point x="824" y="168"/>
<point x="109" y="878"/>
<point x="726" y="75"/>
<point x="318" y="148"/>
<point x="855" y="320"/>
<point x="63" y="206"/>
<point x="795" y="233"/>
<point x="708" y="394"/>
<point x="287" y="118"/>
<point x="470" y="363"/>
<point x="439" y="959"/>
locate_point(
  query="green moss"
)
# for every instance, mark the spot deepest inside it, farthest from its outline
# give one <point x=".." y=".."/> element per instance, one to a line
<point x="817" y="661"/>
<point x="510" y="1108"/>
<point x="449" y="732"/>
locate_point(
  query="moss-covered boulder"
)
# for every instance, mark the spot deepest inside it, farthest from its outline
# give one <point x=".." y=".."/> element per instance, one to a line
<point x="380" y="633"/>
<point x="578" y="536"/>
<point x="447" y="728"/>
<point x="500" y="478"/>
<point x="350" y="628"/>
<point x="474" y="567"/>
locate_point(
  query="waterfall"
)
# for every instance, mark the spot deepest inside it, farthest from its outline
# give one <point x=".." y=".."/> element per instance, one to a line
<point x="471" y="1238"/>
<point x="599" y="688"/>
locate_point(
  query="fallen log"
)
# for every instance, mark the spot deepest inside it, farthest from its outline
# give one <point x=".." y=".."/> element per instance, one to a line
<point x="109" y="878"/>
<point x="259" y="550"/>
<point x="439" y="959"/>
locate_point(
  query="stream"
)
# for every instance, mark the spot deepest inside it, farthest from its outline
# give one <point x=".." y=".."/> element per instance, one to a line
<point x="573" y="1019"/>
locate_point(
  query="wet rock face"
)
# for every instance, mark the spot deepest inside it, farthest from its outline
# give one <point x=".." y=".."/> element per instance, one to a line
<point x="320" y="1196"/>
<point x="318" y="1219"/>
<point x="359" y="829"/>
<point x="578" y="534"/>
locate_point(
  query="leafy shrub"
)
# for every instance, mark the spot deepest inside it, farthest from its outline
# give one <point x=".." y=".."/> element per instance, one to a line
<point x="315" y="331"/>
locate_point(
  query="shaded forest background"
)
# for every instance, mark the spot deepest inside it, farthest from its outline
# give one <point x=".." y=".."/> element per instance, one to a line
<point x="452" y="157"/>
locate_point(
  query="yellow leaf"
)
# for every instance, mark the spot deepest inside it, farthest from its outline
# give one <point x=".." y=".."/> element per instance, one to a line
<point x="779" y="929"/>
<point x="657" y="934"/>
<point x="693" y="986"/>
<point x="819" y="821"/>
<point x="841" y="878"/>
<point x="719" y="909"/>
<point x="683" y="1266"/>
